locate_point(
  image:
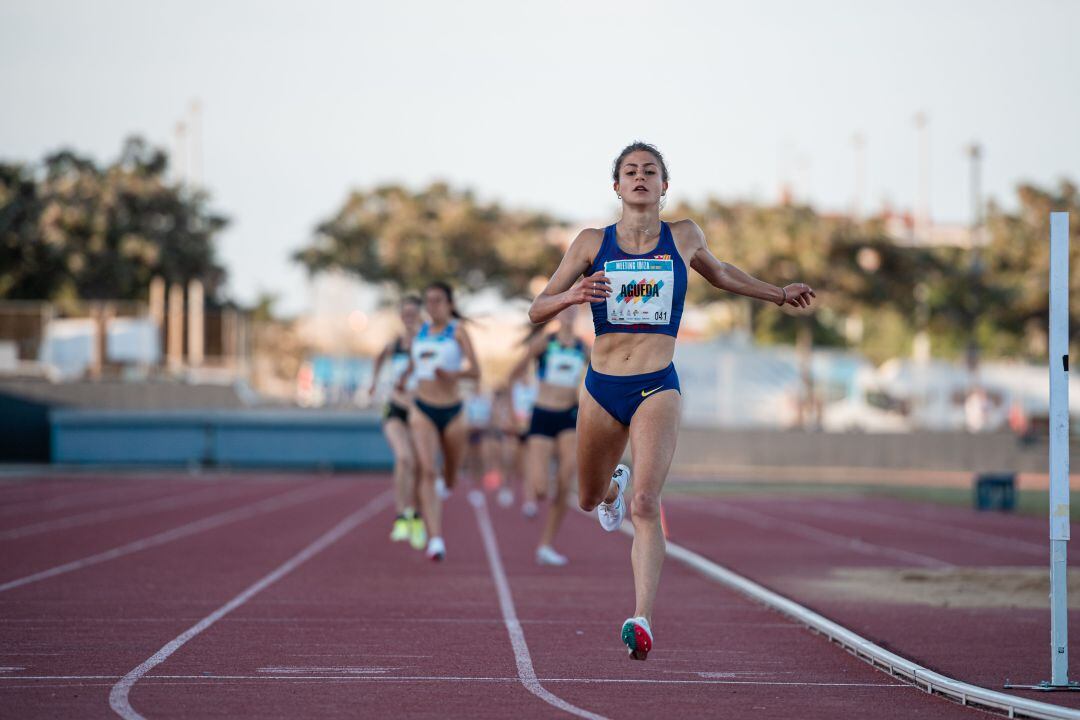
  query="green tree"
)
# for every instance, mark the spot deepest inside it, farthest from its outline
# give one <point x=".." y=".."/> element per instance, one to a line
<point x="1017" y="261"/>
<point x="72" y="230"/>
<point x="390" y="234"/>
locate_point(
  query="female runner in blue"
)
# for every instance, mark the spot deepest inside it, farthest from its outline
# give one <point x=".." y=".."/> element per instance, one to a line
<point x="407" y="525"/>
<point x="437" y="423"/>
<point x="635" y="278"/>
<point x="561" y="358"/>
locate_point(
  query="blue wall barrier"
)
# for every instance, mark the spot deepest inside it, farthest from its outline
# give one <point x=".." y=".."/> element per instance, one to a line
<point x="229" y="438"/>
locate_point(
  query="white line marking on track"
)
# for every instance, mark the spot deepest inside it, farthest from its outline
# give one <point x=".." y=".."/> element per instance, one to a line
<point x="460" y="679"/>
<point x="526" y="673"/>
<point x="949" y="530"/>
<point x="118" y="696"/>
<point x="879" y="658"/>
<point x="77" y="498"/>
<point x="769" y="522"/>
<point x="277" y="502"/>
<point x="346" y="670"/>
<point x="91" y="517"/>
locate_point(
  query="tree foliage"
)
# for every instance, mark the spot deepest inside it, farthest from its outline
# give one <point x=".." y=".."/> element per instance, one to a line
<point x="993" y="296"/>
<point x="70" y="229"/>
<point x="390" y="234"/>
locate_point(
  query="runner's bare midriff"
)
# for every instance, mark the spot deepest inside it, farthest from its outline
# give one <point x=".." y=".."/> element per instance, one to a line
<point x="632" y="353"/>
<point x="553" y="397"/>
<point x="438" y="392"/>
<point x="400" y="398"/>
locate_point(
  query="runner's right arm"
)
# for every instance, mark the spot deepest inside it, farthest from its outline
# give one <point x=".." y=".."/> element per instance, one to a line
<point x="400" y="385"/>
<point x="536" y="346"/>
<point x="561" y="292"/>
<point x="379" y="360"/>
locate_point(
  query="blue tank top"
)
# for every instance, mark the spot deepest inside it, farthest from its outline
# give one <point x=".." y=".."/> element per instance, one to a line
<point x="647" y="290"/>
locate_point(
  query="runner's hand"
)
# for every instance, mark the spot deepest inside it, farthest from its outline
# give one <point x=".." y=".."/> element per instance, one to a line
<point x="799" y="295"/>
<point x="590" y="289"/>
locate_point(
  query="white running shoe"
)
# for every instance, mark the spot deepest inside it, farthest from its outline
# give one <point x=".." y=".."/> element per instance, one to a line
<point x="637" y="636"/>
<point x="441" y="489"/>
<point x="611" y="514"/>
<point x="476" y="498"/>
<point x="436" y="549"/>
<point x="546" y="555"/>
<point x="505" y="497"/>
<point x="529" y="509"/>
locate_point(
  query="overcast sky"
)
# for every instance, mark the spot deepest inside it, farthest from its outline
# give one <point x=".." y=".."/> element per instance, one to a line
<point x="527" y="103"/>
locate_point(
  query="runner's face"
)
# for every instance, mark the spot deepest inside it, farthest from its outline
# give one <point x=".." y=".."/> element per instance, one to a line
<point x="410" y="315"/>
<point x="640" y="180"/>
<point x="437" y="305"/>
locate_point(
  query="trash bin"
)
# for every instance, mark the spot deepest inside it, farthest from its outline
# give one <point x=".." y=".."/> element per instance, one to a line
<point x="995" y="491"/>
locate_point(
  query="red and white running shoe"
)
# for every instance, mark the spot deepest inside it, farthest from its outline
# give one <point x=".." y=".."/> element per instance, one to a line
<point x="637" y="637"/>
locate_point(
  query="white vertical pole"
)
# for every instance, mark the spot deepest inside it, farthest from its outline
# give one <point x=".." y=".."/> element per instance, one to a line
<point x="195" y="325"/>
<point x="1059" y="445"/>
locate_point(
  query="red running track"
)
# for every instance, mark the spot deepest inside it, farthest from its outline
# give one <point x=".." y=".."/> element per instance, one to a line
<point x="347" y="624"/>
<point x="791" y="544"/>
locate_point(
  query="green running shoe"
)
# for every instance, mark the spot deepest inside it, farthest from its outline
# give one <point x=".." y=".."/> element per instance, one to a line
<point x="418" y="533"/>
<point x="402" y="530"/>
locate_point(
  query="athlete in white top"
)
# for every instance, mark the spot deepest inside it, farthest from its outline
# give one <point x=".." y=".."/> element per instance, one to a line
<point x="442" y="354"/>
<point x="407" y="525"/>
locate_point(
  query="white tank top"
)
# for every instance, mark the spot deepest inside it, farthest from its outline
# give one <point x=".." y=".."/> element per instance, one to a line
<point x="435" y="351"/>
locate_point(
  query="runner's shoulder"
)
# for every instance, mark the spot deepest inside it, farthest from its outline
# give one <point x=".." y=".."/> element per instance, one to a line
<point x="587" y="243"/>
<point x="688" y="236"/>
<point x="685" y="229"/>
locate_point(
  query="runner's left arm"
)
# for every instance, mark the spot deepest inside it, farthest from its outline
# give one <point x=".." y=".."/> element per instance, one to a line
<point x="725" y="276"/>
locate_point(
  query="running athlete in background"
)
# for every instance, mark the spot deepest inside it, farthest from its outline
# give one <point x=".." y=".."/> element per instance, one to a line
<point x="480" y="462"/>
<point x="561" y="358"/>
<point x="504" y="440"/>
<point x="635" y="278"/>
<point x="442" y="355"/>
<point x="407" y="525"/>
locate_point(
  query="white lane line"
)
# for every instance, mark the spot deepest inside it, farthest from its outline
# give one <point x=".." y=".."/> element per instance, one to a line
<point x="463" y="679"/>
<point x="809" y="532"/>
<point x="277" y="502"/>
<point x="171" y="502"/>
<point x="118" y="696"/>
<point x="78" y="498"/>
<point x="949" y="530"/>
<point x="526" y="673"/>
<point x="879" y="658"/>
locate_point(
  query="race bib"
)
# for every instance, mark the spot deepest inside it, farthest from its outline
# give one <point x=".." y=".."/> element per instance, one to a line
<point x="641" y="291"/>
<point x="427" y="355"/>
<point x="564" y="367"/>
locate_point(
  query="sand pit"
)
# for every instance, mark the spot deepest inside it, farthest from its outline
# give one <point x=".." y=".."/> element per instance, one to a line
<point x="969" y="587"/>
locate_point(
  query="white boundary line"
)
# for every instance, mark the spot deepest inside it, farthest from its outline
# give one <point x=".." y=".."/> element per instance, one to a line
<point x="84" y="497"/>
<point x="244" y="512"/>
<point x="765" y="521"/>
<point x="891" y="663"/>
<point x="880" y="519"/>
<point x="526" y="673"/>
<point x="118" y="696"/>
<point x="182" y="499"/>
<point x="467" y="679"/>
